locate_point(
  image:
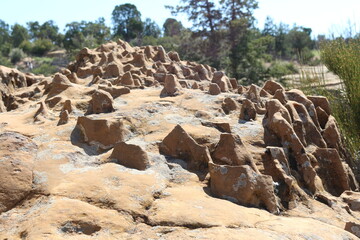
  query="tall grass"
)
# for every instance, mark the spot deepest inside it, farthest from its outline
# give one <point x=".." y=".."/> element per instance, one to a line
<point x="342" y="57"/>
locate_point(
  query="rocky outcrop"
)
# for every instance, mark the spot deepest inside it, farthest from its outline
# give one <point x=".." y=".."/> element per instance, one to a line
<point x="101" y="132"/>
<point x="243" y="185"/>
<point x="101" y="102"/>
<point x="179" y="144"/>
<point x="17" y="161"/>
<point x="130" y="155"/>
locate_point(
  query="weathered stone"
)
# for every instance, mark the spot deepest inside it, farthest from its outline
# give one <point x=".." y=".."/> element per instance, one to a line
<point x="272" y="86"/>
<point x="17" y="157"/>
<point x="214" y="89"/>
<point x="101" y="102"/>
<point x="179" y="144"/>
<point x="229" y="105"/>
<point x="130" y="155"/>
<point x="231" y="151"/>
<point x="243" y="185"/>
<point x="101" y="132"/>
<point x="172" y="86"/>
<point x="248" y="111"/>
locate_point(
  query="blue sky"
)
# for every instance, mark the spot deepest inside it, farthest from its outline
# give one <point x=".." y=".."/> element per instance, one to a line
<point x="323" y="16"/>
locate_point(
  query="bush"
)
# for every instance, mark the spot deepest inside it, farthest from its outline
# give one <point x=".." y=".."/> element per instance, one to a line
<point x="41" y="46"/>
<point x="342" y="58"/>
<point x="26" y="46"/>
<point x="16" y="54"/>
<point x="278" y="70"/>
<point x="45" y="68"/>
<point x="5" y="61"/>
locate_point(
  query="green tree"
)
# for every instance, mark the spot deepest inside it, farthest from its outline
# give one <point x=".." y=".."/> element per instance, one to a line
<point x="206" y="19"/>
<point x="172" y="27"/>
<point x="151" y="29"/>
<point x="300" y="41"/>
<point x="4" y="38"/>
<point x="238" y="17"/>
<point x="18" y="35"/>
<point x="127" y="21"/>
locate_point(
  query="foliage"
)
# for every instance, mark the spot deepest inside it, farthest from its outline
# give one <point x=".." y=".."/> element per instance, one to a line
<point x="172" y="27"/>
<point x="127" y="21"/>
<point x="41" y="46"/>
<point x="85" y="34"/>
<point x="278" y="69"/>
<point x="151" y="28"/>
<point x="342" y="58"/>
<point x="45" y="68"/>
<point x="4" y="61"/>
<point x="18" y="35"/>
<point x="16" y="54"/>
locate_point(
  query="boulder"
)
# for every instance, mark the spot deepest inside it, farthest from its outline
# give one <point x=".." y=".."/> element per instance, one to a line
<point x="229" y="105"/>
<point x="59" y="84"/>
<point x="17" y="156"/>
<point x="222" y="81"/>
<point x="100" y="132"/>
<point x="231" y="151"/>
<point x="172" y="86"/>
<point x="64" y="117"/>
<point x="320" y="101"/>
<point x="353" y="228"/>
<point x="101" y="102"/>
<point x="253" y="94"/>
<point x="352" y="199"/>
<point x="248" y="111"/>
<point x="179" y="144"/>
<point x="272" y="86"/>
<point x="126" y="80"/>
<point x="115" y="91"/>
<point x="214" y="89"/>
<point x="241" y="184"/>
<point x="130" y="155"/>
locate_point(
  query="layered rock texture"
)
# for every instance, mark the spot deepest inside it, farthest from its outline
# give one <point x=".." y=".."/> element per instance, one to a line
<point x="135" y="143"/>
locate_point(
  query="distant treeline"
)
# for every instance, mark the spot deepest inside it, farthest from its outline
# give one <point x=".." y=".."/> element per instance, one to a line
<point x="222" y="35"/>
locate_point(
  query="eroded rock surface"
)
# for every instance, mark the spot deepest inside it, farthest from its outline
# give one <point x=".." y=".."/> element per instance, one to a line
<point x="137" y="143"/>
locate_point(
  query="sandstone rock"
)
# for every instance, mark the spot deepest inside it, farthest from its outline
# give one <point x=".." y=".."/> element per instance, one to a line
<point x="171" y="87"/>
<point x="331" y="134"/>
<point x="231" y="151"/>
<point x="243" y="185"/>
<point x="214" y="89"/>
<point x="64" y="117"/>
<point x="115" y="91"/>
<point x="320" y="101"/>
<point x="322" y="116"/>
<point x="222" y="81"/>
<point x="130" y="155"/>
<point x="253" y="94"/>
<point x="229" y="105"/>
<point x="179" y="144"/>
<point x="223" y="127"/>
<point x="280" y="95"/>
<point x="277" y="166"/>
<point x="195" y="85"/>
<point x="59" y="84"/>
<point x="248" y="111"/>
<point x="174" y="56"/>
<point x="101" y="102"/>
<point x="42" y="112"/>
<point x="17" y="161"/>
<point x="272" y="86"/>
<point x="101" y="132"/>
<point x="67" y="106"/>
<point x="113" y="70"/>
<point x="352" y="199"/>
<point x="234" y="83"/>
<point x="354" y="228"/>
<point x="332" y="171"/>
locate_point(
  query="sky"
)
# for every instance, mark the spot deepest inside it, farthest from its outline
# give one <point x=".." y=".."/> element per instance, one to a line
<point x="323" y="16"/>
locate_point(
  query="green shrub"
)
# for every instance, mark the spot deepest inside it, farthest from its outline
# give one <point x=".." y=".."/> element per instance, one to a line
<point x="45" y="68"/>
<point x="5" y="61"/>
<point x="278" y="69"/>
<point x="16" y="54"/>
<point x="41" y="46"/>
<point x="26" y="46"/>
<point x="342" y="58"/>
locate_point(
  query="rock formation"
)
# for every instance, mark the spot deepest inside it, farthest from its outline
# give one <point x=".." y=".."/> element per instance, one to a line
<point x="137" y="143"/>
